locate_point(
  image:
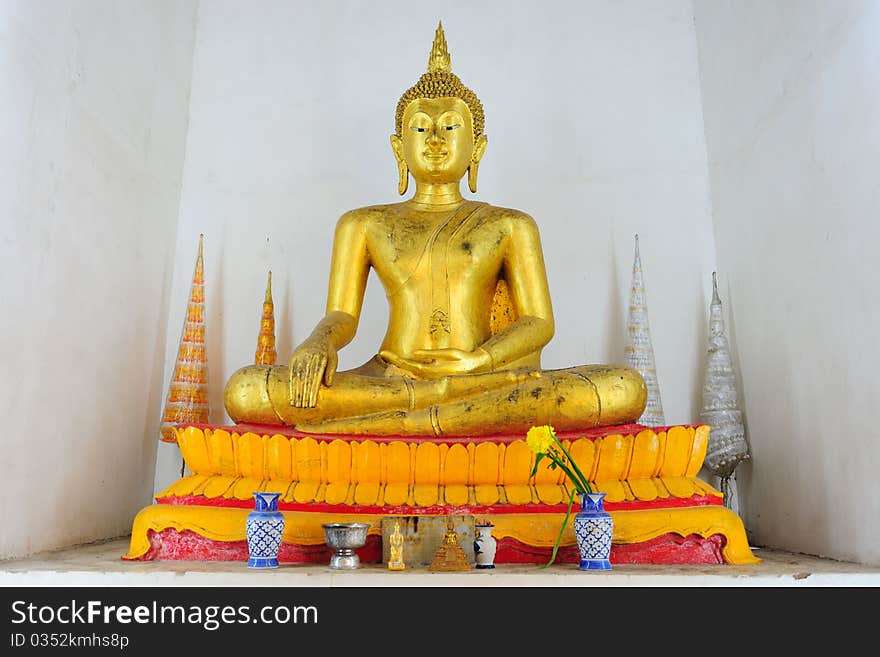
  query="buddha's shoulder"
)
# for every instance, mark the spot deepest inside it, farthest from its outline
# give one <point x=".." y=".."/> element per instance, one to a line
<point x="369" y="214"/>
<point x="509" y="214"/>
<point x="511" y="218"/>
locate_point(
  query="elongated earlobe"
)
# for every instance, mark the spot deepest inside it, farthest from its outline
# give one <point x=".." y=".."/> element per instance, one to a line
<point x="402" y="169"/>
<point x="472" y="176"/>
<point x="402" y="178"/>
<point x="474" y="168"/>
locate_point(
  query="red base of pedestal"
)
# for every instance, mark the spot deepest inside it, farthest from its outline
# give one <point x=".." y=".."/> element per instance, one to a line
<point x="171" y="544"/>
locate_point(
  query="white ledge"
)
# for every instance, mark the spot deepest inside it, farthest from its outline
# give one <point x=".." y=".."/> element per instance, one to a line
<point x="100" y="564"/>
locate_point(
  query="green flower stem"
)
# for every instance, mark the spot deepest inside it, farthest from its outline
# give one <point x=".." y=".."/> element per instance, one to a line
<point x="579" y="485"/>
<point x="561" y="531"/>
<point x="583" y="479"/>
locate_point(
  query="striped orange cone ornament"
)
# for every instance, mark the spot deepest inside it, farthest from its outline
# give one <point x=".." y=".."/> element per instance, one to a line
<point x="187" y="400"/>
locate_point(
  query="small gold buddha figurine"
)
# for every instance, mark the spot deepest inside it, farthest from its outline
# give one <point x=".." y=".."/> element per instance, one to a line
<point x="469" y="305"/>
<point x="450" y="555"/>
<point x="395" y="562"/>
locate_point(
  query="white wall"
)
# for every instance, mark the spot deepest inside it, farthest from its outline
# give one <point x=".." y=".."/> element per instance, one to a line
<point x="93" y="118"/>
<point x="791" y="94"/>
<point x="594" y="122"/>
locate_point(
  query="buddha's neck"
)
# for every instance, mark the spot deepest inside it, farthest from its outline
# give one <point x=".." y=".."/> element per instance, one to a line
<point x="437" y="196"/>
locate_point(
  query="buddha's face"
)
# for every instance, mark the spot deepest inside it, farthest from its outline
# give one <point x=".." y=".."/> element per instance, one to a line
<point x="437" y="143"/>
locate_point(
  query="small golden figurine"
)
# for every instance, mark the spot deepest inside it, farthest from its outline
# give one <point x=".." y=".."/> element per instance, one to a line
<point x="450" y="555"/>
<point x="396" y="543"/>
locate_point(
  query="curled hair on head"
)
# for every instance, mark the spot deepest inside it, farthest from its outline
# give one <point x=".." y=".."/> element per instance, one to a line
<point x="441" y="85"/>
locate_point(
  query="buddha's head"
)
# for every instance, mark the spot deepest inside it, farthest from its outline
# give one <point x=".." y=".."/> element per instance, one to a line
<point x="439" y="126"/>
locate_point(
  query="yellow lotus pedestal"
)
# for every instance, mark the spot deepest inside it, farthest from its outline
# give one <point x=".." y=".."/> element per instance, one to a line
<point x="663" y="513"/>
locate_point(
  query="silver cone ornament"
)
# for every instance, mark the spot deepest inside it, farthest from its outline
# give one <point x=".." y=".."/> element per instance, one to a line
<point x="727" y="443"/>
<point x="639" y="351"/>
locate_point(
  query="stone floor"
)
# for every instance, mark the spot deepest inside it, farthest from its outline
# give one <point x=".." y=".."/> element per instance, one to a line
<point x="99" y="564"/>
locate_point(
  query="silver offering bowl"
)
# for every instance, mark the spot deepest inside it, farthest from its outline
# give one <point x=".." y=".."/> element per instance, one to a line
<point x="345" y="537"/>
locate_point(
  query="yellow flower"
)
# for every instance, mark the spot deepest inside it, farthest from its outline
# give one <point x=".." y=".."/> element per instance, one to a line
<point x="539" y="439"/>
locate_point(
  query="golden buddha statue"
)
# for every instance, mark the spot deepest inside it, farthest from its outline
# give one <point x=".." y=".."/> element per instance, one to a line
<point x="469" y="305"/>
<point x="450" y="556"/>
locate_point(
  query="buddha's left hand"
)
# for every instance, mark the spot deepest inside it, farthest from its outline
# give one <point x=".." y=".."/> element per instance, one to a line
<point x="436" y="363"/>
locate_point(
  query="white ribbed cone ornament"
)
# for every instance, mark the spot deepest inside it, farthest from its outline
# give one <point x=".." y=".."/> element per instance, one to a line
<point x="638" y="350"/>
<point x="727" y="443"/>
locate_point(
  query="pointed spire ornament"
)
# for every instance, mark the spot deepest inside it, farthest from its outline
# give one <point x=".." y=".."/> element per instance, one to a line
<point x="439" y="60"/>
<point x="639" y="351"/>
<point x="727" y="444"/>
<point x="187" y="400"/>
<point x="266" y="354"/>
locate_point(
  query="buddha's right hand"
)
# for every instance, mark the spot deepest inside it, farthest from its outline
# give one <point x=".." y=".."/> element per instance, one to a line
<point x="312" y="362"/>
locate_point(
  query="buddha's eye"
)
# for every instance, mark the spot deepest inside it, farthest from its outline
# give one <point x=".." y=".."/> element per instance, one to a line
<point x="418" y="129"/>
<point x="452" y="127"/>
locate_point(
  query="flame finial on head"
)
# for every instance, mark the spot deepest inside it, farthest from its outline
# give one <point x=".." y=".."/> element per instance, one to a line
<point x="439" y="60"/>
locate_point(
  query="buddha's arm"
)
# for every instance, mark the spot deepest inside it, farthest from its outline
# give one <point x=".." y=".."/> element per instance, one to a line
<point x="527" y="279"/>
<point x="315" y="359"/>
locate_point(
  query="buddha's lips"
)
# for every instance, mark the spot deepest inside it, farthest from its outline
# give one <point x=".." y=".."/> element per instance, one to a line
<point x="436" y="156"/>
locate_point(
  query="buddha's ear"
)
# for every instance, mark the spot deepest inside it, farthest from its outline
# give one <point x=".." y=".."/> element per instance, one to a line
<point x="474" y="167"/>
<point x="479" y="149"/>
<point x="397" y="147"/>
<point x="402" y="170"/>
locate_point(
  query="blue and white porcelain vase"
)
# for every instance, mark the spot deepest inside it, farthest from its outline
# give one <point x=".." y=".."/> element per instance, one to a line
<point x="593" y="528"/>
<point x="265" y="526"/>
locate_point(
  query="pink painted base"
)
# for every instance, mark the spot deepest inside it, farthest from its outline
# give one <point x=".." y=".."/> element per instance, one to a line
<point x="170" y="544"/>
<point x="665" y="549"/>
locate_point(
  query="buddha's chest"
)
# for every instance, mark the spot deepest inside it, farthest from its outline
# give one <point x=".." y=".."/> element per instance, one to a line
<point x="458" y="251"/>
